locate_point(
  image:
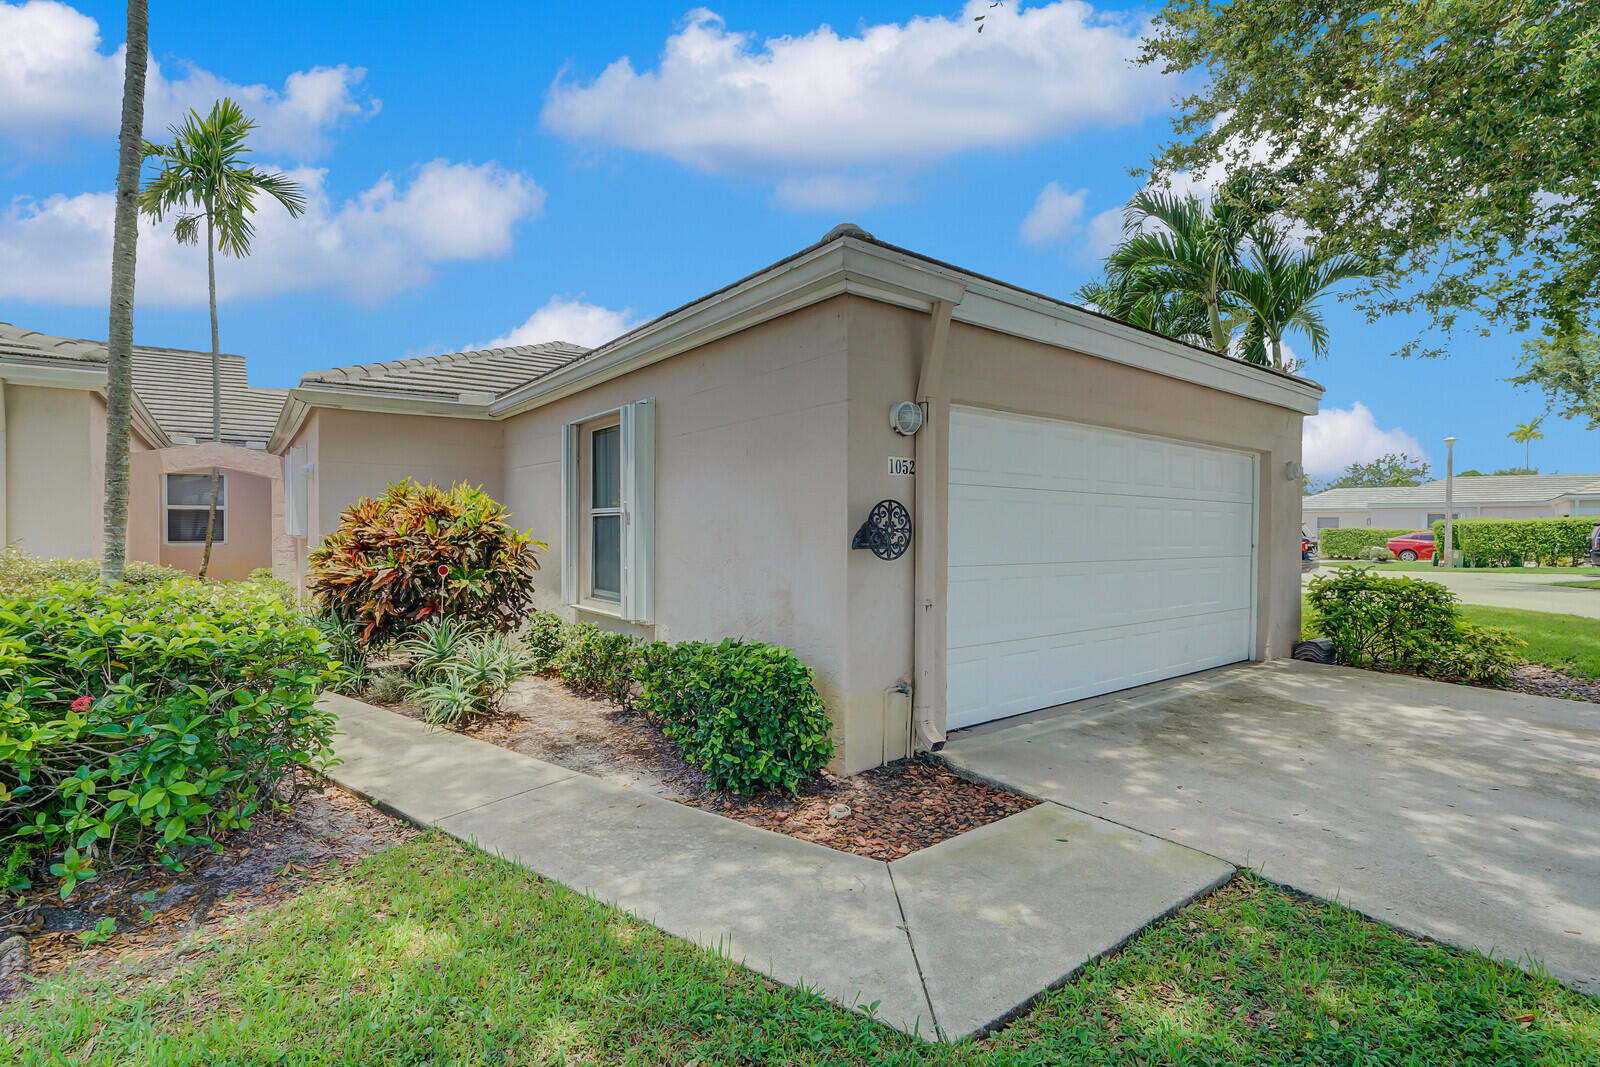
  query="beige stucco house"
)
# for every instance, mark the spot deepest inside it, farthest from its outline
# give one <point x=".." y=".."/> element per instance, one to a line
<point x="1418" y="507"/>
<point x="53" y="468"/>
<point x="1090" y="506"/>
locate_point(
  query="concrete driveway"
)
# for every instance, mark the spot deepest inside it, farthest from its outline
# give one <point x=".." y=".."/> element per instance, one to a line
<point x="1468" y="815"/>
<point x="1501" y="588"/>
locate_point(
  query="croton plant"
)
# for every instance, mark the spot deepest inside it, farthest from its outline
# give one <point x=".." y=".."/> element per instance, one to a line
<point x="420" y="552"/>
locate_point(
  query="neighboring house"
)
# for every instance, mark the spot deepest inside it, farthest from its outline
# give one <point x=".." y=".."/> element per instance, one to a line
<point x="1417" y="507"/>
<point x="53" y="469"/>
<point x="1092" y="506"/>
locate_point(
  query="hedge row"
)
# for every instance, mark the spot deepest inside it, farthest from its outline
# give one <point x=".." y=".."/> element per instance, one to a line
<point x="1512" y="542"/>
<point x="1351" y="543"/>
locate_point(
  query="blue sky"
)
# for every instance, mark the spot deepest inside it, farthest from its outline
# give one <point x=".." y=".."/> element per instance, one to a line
<point x="504" y="171"/>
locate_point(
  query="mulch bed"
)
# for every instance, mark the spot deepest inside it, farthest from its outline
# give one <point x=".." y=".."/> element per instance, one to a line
<point x="1545" y="682"/>
<point x="321" y="835"/>
<point x="894" y="810"/>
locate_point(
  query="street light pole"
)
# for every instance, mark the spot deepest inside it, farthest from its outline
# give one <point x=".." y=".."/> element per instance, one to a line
<point x="1449" y="559"/>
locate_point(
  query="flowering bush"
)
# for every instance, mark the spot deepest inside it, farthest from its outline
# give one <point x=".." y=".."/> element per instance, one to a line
<point x="140" y="721"/>
<point x="419" y="552"/>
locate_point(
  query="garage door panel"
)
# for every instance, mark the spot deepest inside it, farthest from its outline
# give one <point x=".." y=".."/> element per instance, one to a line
<point x="1082" y="560"/>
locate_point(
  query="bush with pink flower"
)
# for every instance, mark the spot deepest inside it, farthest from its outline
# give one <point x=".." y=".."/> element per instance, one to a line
<point x="140" y="723"/>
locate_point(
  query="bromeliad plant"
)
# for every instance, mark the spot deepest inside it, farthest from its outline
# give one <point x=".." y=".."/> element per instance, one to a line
<point x="418" y="553"/>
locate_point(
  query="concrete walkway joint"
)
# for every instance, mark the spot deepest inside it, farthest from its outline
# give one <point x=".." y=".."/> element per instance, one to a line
<point x="944" y="943"/>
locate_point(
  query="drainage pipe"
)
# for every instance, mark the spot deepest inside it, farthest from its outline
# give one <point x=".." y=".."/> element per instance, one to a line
<point x="928" y="610"/>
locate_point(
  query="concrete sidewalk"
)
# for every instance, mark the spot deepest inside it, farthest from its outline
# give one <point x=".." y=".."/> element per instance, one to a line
<point x="944" y="943"/>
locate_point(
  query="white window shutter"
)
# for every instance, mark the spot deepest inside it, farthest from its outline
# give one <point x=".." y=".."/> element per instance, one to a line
<point x="639" y="503"/>
<point x="571" y="515"/>
<point x="295" y="492"/>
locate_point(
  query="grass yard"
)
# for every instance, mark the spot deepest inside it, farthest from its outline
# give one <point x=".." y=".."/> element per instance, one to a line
<point x="1569" y="643"/>
<point x="436" y="953"/>
<point x="1427" y="565"/>
<point x="1580" y="585"/>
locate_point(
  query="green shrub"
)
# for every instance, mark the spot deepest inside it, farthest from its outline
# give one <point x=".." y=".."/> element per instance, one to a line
<point x="747" y="714"/>
<point x="279" y="588"/>
<point x="470" y="684"/>
<point x="434" y="645"/>
<point x="389" y="687"/>
<point x="1509" y="542"/>
<point x="22" y="574"/>
<point x="543" y="641"/>
<point x="138" y="721"/>
<point x="1350" y="543"/>
<point x="349" y="675"/>
<point x="419" y="552"/>
<point x="1377" y="554"/>
<point x="1401" y="624"/>
<point x="599" y="662"/>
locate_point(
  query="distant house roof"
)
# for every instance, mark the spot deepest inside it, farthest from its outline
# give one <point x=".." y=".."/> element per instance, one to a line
<point x="173" y="384"/>
<point x="476" y="376"/>
<point x="1473" y="491"/>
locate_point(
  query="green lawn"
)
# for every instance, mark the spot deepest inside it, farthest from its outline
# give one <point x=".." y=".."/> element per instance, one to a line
<point x="1579" y="585"/>
<point x="1568" y="643"/>
<point x="435" y="953"/>
<point x="1421" y="565"/>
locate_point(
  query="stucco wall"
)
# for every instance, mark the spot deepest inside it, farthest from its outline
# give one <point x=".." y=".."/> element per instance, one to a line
<point x="254" y="528"/>
<point x="358" y="453"/>
<point x="751" y="518"/>
<point x="53" y="484"/>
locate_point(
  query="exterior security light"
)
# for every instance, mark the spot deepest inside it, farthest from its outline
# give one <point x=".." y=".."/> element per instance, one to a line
<point x="905" y="417"/>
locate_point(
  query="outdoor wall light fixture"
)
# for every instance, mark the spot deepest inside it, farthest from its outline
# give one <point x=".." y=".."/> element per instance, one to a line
<point x="887" y="530"/>
<point x="1293" y="471"/>
<point x="905" y="417"/>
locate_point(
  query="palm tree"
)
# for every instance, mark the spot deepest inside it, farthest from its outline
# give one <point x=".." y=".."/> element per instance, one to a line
<point x="204" y="180"/>
<point x="1525" y="434"/>
<point x="1278" y="287"/>
<point x="1186" y="255"/>
<point x="1149" y="302"/>
<point x="119" y="331"/>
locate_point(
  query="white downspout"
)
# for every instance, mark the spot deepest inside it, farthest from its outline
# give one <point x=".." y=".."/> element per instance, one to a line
<point x="928" y="610"/>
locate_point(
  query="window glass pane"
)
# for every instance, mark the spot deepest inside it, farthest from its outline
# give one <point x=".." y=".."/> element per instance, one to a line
<point x="606" y="456"/>
<point x="188" y="525"/>
<point x="1328" y="524"/>
<point x="606" y="552"/>
<point x="195" y="489"/>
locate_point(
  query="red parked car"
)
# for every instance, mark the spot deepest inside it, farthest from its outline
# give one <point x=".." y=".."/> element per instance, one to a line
<point x="1412" y="546"/>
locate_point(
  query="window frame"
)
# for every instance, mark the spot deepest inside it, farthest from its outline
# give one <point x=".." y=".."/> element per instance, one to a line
<point x="167" y="506"/>
<point x="1334" y="519"/>
<point x="635" y="424"/>
<point x="591" y="512"/>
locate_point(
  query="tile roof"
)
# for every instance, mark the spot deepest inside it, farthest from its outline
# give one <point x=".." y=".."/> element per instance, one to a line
<point x="173" y="383"/>
<point x="1471" y="490"/>
<point x="467" y="376"/>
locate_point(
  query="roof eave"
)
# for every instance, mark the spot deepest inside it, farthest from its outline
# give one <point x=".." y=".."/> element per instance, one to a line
<point x="870" y="269"/>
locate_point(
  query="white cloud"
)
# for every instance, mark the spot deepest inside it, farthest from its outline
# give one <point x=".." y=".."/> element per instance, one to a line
<point x="833" y="192"/>
<point x="888" y="98"/>
<point x="1104" y="233"/>
<point x="1055" y="214"/>
<point x="1334" y="438"/>
<point x="55" y="83"/>
<point x="561" y="319"/>
<point x="386" y="239"/>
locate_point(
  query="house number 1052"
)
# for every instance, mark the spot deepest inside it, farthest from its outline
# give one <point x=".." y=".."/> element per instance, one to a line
<point x="902" y="467"/>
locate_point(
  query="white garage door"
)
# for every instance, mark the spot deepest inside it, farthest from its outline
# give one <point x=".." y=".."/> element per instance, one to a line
<point x="1084" y="560"/>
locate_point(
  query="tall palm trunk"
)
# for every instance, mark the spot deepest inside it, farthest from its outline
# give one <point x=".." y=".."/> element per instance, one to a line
<point x="216" y="388"/>
<point x="119" y="331"/>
